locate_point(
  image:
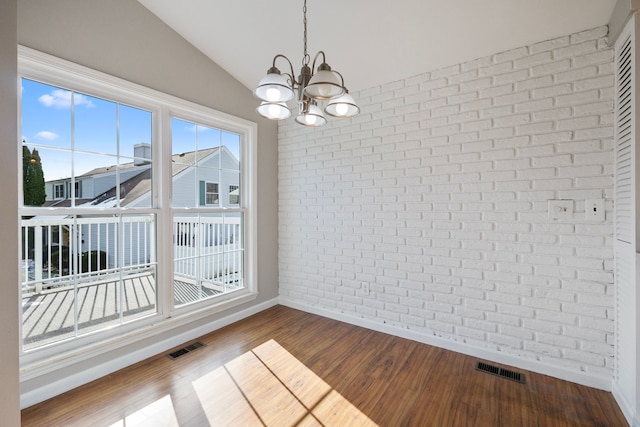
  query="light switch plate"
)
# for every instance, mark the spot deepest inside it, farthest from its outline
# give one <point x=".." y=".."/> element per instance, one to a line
<point x="560" y="210"/>
<point x="594" y="210"/>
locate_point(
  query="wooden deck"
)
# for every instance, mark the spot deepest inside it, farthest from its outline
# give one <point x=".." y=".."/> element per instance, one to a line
<point x="284" y="367"/>
<point x="49" y="316"/>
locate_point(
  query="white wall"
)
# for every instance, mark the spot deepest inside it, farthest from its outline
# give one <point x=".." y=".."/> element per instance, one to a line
<point x="435" y="198"/>
<point x="9" y="369"/>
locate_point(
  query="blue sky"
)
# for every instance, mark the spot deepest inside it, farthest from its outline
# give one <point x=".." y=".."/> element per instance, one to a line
<point x="99" y="129"/>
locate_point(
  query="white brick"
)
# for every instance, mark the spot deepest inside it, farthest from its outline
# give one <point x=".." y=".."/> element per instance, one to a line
<point x="446" y="72"/>
<point x="463" y="77"/>
<point x="500" y="68"/>
<point x="533" y="60"/>
<point x="557" y="340"/>
<point x="593" y="34"/>
<point x="552" y="67"/>
<point x="445" y="91"/>
<point x="534" y="83"/>
<point x="512" y="120"/>
<point x="550" y="44"/>
<point x="574" y="75"/>
<point x="475" y="85"/>
<point x="552" y="114"/>
<point x="503" y="340"/>
<point x="513" y="77"/>
<point x="577" y="98"/>
<point x="541" y="348"/>
<point x="496" y="90"/>
<point x="513" y="98"/>
<point x="574" y="50"/>
<point x="578" y="123"/>
<point x="475" y="64"/>
<point x="594" y="83"/>
<point x="596" y="58"/>
<point x="584" y="357"/>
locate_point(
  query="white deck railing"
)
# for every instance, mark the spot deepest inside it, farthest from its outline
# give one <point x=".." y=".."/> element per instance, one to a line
<point x="61" y="251"/>
<point x="209" y="250"/>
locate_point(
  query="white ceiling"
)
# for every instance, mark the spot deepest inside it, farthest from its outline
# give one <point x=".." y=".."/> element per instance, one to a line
<point x="370" y="42"/>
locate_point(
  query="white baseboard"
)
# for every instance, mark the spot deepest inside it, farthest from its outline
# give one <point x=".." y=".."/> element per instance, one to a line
<point x="599" y="382"/>
<point x="633" y="418"/>
<point x="104" y="367"/>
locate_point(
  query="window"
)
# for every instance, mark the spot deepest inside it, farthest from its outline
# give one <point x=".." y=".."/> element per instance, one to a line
<point x="234" y="194"/>
<point x="58" y="190"/>
<point x="76" y="134"/>
<point x="211" y="256"/>
<point x="105" y="245"/>
<point x="211" y="193"/>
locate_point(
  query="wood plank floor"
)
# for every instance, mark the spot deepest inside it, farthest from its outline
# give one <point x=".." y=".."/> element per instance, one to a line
<point x="284" y="367"/>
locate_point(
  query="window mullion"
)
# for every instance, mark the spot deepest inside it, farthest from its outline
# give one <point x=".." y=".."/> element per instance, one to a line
<point x="162" y="185"/>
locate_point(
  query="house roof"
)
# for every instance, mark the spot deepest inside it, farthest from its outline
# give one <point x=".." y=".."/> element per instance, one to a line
<point x="140" y="184"/>
<point x="107" y="169"/>
<point x="63" y="203"/>
<point x="179" y="161"/>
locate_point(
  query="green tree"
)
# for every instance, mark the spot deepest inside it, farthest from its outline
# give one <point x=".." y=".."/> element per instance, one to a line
<point x="32" y="178"/>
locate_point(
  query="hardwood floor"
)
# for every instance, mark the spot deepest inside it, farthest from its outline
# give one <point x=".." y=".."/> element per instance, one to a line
<point x="284" y="367"/>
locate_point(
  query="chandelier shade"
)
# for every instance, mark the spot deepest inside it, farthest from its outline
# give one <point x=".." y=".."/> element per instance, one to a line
<point x="342" y="107"/>
<point x="274" y="87"/>
<point x="274" y="110"/>
<point x="311" y="116"/>
<point x="325" y="85"/>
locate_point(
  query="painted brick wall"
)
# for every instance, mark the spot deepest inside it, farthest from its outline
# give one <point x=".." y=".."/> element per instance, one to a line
<point x="435" y="198"/>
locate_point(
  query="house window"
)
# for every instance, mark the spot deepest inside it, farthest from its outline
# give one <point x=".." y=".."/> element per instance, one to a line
<point x="58" y="191"/>
<point x="234" y="195"/>
<point x="108" y="240"/>
<point x="211" y="193"/>
<point x="77" y="191"/>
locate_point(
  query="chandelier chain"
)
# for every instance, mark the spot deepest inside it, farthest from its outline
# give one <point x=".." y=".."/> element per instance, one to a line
<point x="306" y="58"/>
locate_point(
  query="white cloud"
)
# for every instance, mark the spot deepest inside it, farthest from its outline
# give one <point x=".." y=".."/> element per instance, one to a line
<point x="199" y="128"/>
<point x="46" y="135"/>
<point x="62" y="99"/>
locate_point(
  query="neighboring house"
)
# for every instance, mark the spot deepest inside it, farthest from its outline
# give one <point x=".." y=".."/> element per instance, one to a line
<point x="98" y="186"/>
<point x="217" y="183"/>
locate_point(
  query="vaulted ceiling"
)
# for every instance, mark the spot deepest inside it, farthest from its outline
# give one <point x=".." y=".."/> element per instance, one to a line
<point x="370" y="42"/>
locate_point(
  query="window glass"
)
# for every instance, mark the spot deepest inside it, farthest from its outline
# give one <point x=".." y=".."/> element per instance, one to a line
<point x="208" y="255"/>
<point x="203" y="242"/>
<point x="83" y="273"/>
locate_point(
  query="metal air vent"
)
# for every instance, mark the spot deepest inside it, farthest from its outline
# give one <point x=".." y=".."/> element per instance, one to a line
<point x="500" y="372"/>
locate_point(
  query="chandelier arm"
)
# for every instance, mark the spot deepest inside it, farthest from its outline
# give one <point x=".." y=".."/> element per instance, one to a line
<point x="290" y="75"/>
<point x="313" y="67"/>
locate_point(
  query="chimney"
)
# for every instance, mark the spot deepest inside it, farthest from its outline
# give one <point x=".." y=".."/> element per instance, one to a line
<point x="142" y="153"/>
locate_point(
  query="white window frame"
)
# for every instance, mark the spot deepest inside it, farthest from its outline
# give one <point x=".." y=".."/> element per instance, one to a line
<point x="51" y="70"/>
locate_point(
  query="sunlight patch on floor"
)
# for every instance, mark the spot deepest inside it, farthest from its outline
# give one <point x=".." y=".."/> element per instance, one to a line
<point x="269" y="386"/>
<point x="158" y="414"/>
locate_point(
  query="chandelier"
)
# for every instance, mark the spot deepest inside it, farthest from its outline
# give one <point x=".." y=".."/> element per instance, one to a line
<point x="326" y="85"/>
